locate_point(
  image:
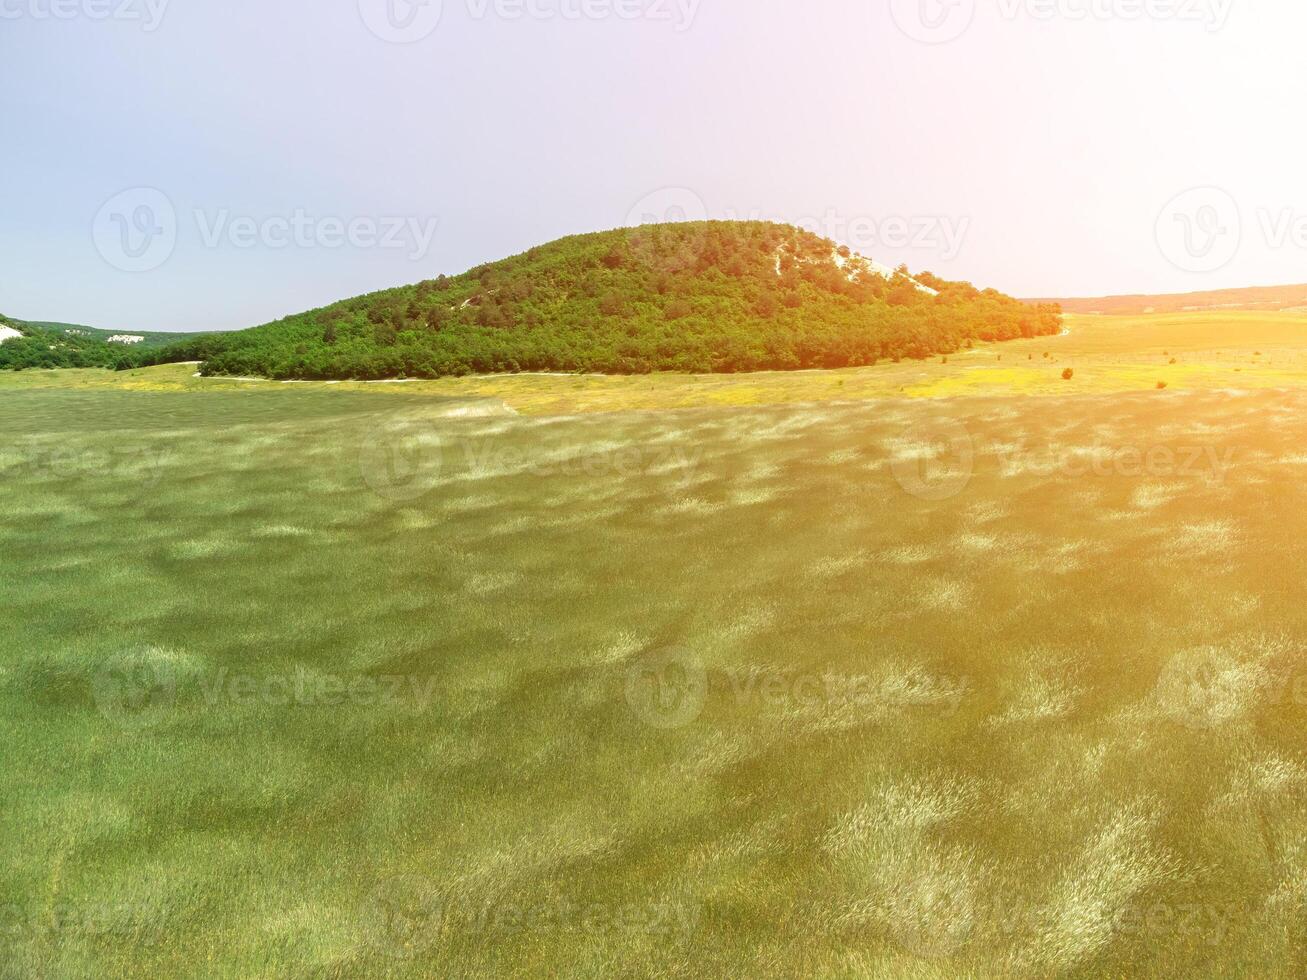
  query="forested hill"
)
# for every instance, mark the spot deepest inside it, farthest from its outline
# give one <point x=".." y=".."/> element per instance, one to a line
<point x="695" y="297"/>
<point x="25" y="344"/>
<point x="28" y="345"/>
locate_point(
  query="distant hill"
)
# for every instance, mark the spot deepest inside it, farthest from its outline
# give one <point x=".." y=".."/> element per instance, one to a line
<point x="31" y="344"/>
<point x="143" y="339"/>
<point x="1271" y="298"/>
<point x="694" y="297"/>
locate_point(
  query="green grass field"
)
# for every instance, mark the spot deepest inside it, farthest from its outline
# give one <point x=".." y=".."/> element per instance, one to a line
<point x="921" y="670"/>
<point x="1107" y="355"/>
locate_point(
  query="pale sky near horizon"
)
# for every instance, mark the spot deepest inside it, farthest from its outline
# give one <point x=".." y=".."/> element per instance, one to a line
<point x="1043" y="147"/>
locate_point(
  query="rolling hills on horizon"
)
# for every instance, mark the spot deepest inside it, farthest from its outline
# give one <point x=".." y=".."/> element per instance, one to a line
<point x="1268" y="298"/>
<point x="143" y="339"/>
<point x="45" y="344"/>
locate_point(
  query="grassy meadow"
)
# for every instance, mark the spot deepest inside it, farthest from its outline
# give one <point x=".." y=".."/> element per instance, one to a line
<point x="923" y="670"/>
<point x="1106" y="354"/>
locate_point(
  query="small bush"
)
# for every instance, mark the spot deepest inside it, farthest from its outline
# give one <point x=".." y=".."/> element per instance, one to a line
<point x="678" y="309"/>
<point x="1068" y="374"/>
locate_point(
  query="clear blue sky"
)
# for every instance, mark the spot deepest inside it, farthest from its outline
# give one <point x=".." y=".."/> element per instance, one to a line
<point x="1030" y="152"/>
